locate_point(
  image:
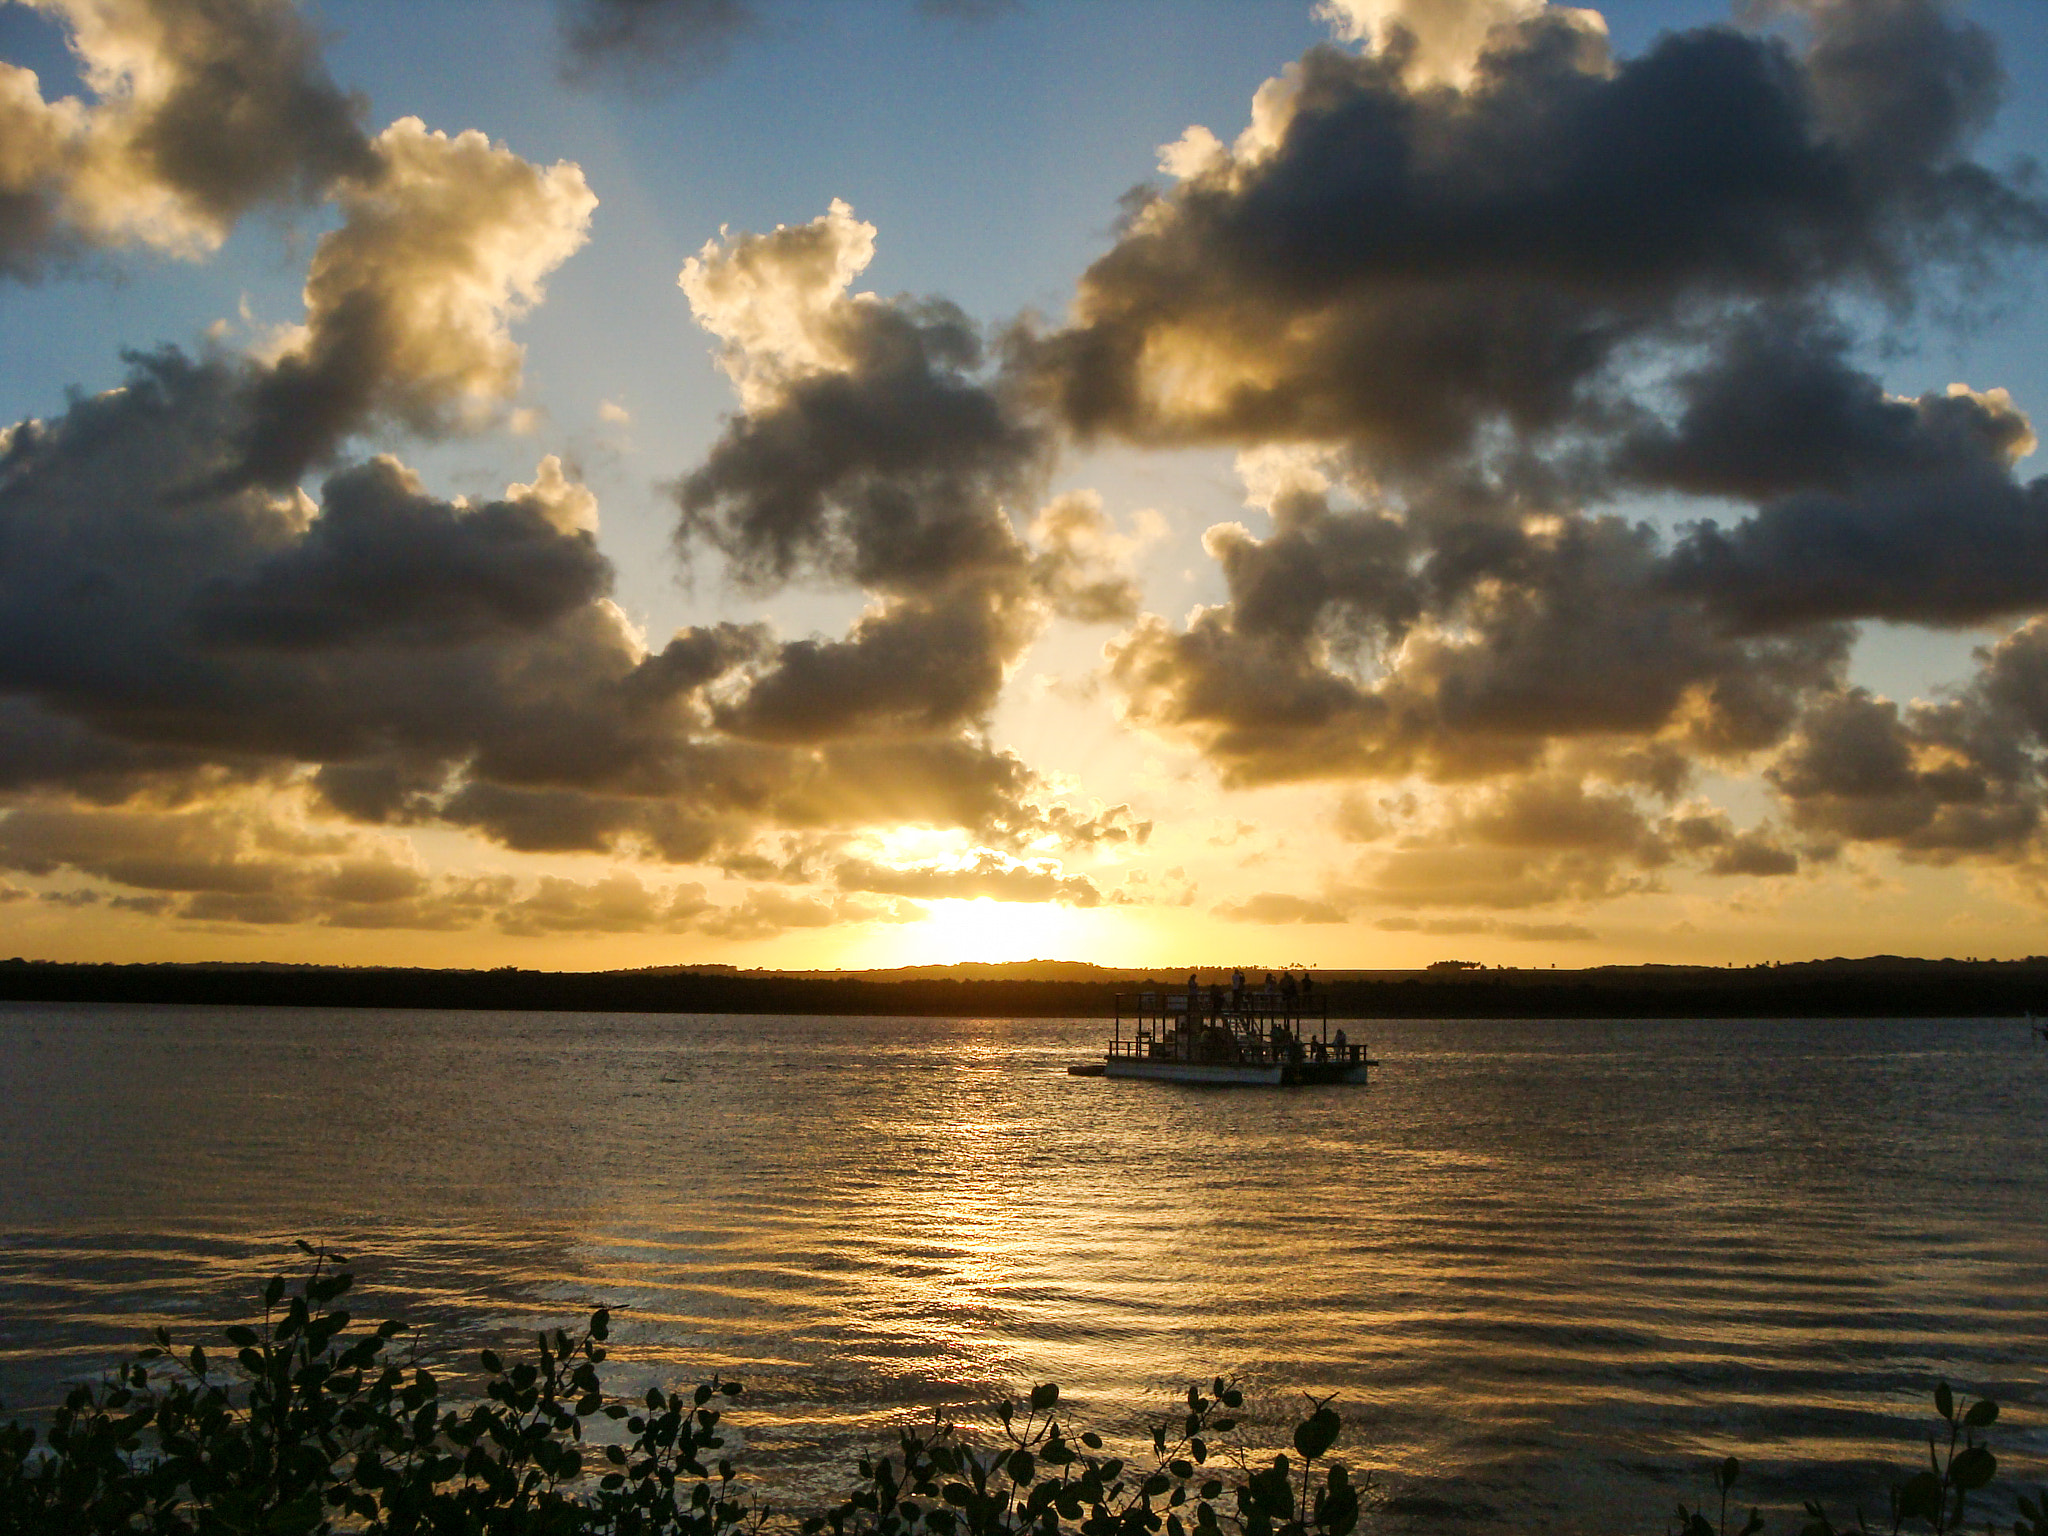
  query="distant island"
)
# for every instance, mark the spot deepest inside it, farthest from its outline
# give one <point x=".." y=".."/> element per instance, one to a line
<point x="1877" y="986"/>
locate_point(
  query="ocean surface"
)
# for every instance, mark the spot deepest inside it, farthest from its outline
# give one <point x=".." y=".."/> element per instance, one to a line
<point x="1550" y="1269"/>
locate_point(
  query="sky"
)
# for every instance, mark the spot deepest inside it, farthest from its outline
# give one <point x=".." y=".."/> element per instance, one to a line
<point x="804" y="483"/>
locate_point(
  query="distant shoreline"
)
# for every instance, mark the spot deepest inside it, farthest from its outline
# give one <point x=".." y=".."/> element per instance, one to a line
<point x="1877" y="987"/>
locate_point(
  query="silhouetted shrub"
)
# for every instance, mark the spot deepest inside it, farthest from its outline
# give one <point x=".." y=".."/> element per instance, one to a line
<point x="306" y="1426"/>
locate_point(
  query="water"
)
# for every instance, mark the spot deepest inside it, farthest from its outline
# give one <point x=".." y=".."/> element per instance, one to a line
<point x="1549" y="1268"/>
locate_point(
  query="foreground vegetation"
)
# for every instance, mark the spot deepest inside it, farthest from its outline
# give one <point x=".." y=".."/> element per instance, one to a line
<point x="306" y="1424"/>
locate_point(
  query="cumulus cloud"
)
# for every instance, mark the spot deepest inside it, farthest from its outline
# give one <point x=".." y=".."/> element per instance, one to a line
<point x="875" y="448"/>
<point x="197" y="114"/>
<point x="1402" y="266"/>
<point x="408" y="303"/>
<point x="1459" y="643"/>
<point x="433" y="660"/>
<point x="1453" y="291"/>
<point x="1936" y="781"/>
<point x="1436" y="41"/>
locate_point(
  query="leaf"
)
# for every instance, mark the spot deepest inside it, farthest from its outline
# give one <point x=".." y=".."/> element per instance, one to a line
<point x="1944" y="1401"/>
<point x="1726" y="1473"/>
<point x="1982" y="1412"/>
<point x="1044" y="1396"/>
<point x="1920" y="1496"/>
<point x="1973" y="1467"/>
<point x="1317" y="1433"/>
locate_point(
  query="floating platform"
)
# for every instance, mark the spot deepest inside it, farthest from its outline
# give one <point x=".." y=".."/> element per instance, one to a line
<point x="1271" y="1036"/>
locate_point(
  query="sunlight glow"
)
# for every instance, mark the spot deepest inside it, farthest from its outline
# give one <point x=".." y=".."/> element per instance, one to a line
<point x="988" y="930"/>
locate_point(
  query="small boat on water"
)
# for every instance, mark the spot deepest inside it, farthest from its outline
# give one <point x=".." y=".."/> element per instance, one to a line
<point x="1266" y="1035"/>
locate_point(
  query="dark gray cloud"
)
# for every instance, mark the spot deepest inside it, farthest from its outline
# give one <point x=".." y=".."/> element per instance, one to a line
<point x="1780" y="409"/>
<point x="889" y="471"/>
<point x="164" y="632"/>
<point x="1707" y="832"/>
<point x="1400" y="266"/>
<point x="385" y="560"/>
<point x="1495" y="290"/>
<point x="203" y="111"/>
<point x="1870" y="506"/>
<point x="1935" y="781"/>
<point x="876" y="449"/>
<point x="647" y="41"/>
<point x="652" y="42"/>
<point x="1356" y="644"/>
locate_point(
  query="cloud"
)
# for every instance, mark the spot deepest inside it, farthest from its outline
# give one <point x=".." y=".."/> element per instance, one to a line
<point x="1935" y="781"/>
<point x="873" y="450"/>
<point x="763" y="914"/>
<point x="434" y="660"/>
<point x="616" y="903"/>
<point x="989" y="875"/>
<point x="1435" y="42"/>
<point x="1871" y="506"/>
<point x="258" y="860"/>
<point x="1273" y="907"/>
<point x="1460" y="643"/>
<point x="198" y="114"/>
<point x="1707" y="831"/>
<point x="867" y="451"/>
<point x="240" y="859"/>
<point x="384" y="559"/>
<point x="1538" y="839"/>
<point x="645" y="43"/>
<point x="1455" y="290"/>
<point x="1448" y="927"/>
<point x="1401" y="266"/>
<point x="408" y="303"/>
<point x="641" y="41"/>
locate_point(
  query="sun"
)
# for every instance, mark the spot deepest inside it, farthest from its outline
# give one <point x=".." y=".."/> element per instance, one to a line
<point x="987" y="930"/>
